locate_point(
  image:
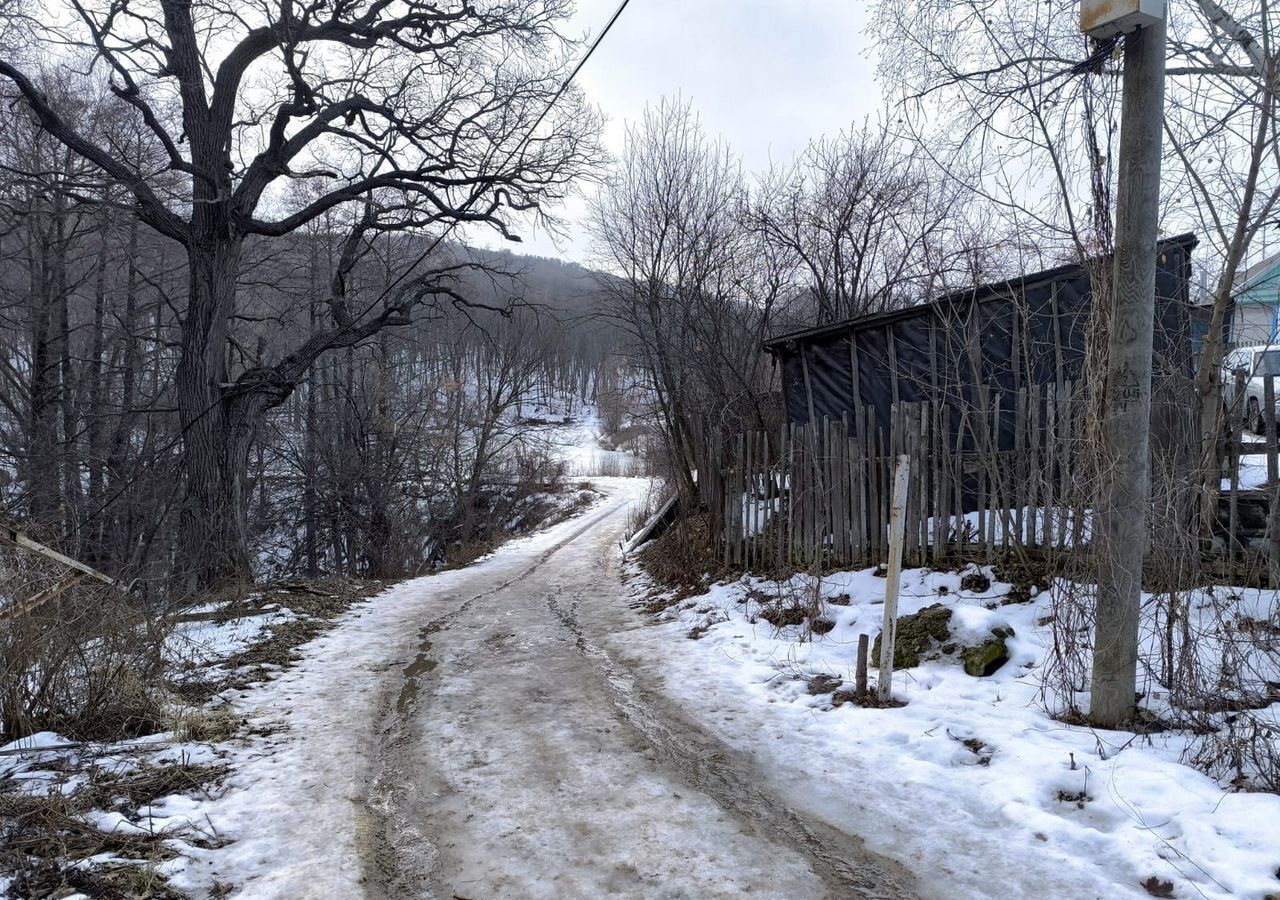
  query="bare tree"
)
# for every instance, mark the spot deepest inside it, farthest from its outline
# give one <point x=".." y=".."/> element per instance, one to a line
<point x="1037" y="103"/>
<point x="403" y="115"/>
<point x="685" y="280"/>
<point x="858" y="215"/>
<point x="1222" y="128"/>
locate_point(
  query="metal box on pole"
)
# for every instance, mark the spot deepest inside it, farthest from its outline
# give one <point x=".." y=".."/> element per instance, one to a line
<point x="1103" y="18"/>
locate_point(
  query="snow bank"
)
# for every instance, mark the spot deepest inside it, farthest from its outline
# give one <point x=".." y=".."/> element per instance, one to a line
<point x="971" y="784"/>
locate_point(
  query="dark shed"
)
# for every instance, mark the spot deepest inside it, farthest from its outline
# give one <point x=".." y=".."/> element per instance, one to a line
<point x="993" y="339"/>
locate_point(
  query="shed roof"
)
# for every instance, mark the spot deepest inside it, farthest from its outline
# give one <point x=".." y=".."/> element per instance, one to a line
<point x="982" y="293"/>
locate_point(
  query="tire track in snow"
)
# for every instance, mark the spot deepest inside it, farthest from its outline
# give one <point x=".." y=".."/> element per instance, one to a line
<point x="706" y="764"/>
<point x="399" y="855"/>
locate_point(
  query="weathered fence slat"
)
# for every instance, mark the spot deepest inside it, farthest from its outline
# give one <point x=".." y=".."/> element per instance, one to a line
<point x="996" y="473"/>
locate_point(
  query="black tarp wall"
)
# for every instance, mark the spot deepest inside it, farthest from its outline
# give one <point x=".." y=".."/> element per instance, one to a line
<point x="997" y="338"/>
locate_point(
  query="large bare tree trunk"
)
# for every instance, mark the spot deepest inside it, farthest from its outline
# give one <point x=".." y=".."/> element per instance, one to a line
<point x="42" y="427"/>
<point x="214" y="542"/>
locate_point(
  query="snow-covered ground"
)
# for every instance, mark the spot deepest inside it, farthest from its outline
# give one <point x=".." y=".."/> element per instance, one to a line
<point x="293" y="813"/>
<point x="970" y="784"/>
<point x="541" y="726"/>
<point x="206" y="638"/>
<point x="576" y="436"/>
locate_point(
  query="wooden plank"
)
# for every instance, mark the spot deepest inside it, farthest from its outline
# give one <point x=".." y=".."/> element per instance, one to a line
<point x="924" y="474"/>
<point x="1237" y="429"/>
<point x="793" y="492"/>
<point x="752" y="514"/>
<point x="958" y="469"/>
<point x="839" y="492"/>
<point x="1078" y="427"/>
<point x="828" y="524"/>
<point x="856" y="509"/>
<point x="808" y="385"/>
<point x="856" y="378"/>
<point x="980" y="472"/>
<point x="782" y="518"/>
<point x="860" y="673"/>
<point x="893" y="369"/>
<point x="1017" y="346"/>
<point x="727" y="508"/>
<point x="1021" y="466"/>
<point x="1251" y="448"/>
<point x="1050" y="462"/>
<point x="766" y="509"/>
<point x="771" y="505"/>
<point x="1036" y="475"/>
<point x="13" y="536"/>
<point x="937" y="460"/>
<point x="33" y="603"/>
<point x="862" y="475"/>
<point x="1000" y="485"/>
<point x="1066" y="420"/>
<point x="1059" y="369"/>
<point x="905" y="417"/>
<point x="893" y="578"/>
<point x="805" y="467"/>
<point x="650" y="524"/>
<point x="943" y="524"/>
<point x="873" y="491"/>
<point x="1269" y="425"/>
<point x="811" y="497"/>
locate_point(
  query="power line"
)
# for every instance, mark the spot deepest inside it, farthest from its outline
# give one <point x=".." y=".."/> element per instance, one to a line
<point x="576" y="69"/>
<point x="595" y="43"/>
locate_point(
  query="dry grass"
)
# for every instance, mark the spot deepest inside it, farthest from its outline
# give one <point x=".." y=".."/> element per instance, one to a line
<point x="316" y="605"/>
<point x="50" y="843"/>
<point x="682" y="557"/>
<point x="87" y="666"/>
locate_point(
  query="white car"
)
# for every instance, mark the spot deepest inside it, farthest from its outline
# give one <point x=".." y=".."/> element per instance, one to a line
<point x="1258" y="363"/>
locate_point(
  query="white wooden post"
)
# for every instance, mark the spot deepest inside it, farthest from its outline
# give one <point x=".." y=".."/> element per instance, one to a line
<point x="897" y="524"/>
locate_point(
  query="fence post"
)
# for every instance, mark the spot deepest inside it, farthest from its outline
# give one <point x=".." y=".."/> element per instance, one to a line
<point x="860" y="674"/>
<point x="897" y="521"/>
<point x="1273" y="481"/>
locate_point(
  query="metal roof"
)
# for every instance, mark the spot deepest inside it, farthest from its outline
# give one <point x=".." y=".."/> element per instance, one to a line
<point x="980" y="294"/>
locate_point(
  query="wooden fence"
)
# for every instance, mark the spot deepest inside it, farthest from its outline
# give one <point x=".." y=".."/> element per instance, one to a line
<point x="1010" y="471"/>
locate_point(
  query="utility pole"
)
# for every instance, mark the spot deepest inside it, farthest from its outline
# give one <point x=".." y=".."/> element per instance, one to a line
<point x="1126" y="426"/>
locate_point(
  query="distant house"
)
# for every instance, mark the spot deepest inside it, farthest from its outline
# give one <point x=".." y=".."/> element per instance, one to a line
<point x="1255" y="318"/>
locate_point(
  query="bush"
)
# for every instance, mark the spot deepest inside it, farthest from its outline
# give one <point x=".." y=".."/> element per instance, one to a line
<point x="85" y="664"/>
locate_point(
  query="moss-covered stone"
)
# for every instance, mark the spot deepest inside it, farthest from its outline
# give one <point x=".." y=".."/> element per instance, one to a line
<point x="917" y="634"/>
<point x="927" y="635"/>
<point x="989" y="656"/>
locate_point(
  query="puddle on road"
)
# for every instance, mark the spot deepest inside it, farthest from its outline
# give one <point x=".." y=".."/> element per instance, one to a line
<point x="421" y="664"/>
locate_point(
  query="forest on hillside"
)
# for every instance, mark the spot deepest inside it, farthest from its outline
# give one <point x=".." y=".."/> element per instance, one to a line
<point x="387" y="453"/>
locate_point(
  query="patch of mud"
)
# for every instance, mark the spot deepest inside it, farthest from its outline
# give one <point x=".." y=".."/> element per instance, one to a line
<point x="421" y="665"/>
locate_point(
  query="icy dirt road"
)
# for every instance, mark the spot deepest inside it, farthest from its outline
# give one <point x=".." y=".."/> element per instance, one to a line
<point x="473" y="735"/>
<point x="517" y="759"/>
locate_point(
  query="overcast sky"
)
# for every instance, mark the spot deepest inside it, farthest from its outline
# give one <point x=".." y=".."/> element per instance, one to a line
<point x="766" y="75"/>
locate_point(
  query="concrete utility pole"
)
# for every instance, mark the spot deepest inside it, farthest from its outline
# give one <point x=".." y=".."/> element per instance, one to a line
<point x="1122" y="510"/>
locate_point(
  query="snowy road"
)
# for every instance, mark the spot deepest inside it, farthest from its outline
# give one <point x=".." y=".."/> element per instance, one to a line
<point x="473" y="735"/>
<point x="517" y="759"/>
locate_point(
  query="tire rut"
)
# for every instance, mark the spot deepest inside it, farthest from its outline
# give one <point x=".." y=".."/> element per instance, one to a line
<point x="704" y="763"/>
<point x="399" y="856"/>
